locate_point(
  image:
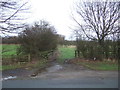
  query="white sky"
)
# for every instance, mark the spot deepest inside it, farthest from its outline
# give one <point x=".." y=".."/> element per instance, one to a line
<point x="57" y="12"/>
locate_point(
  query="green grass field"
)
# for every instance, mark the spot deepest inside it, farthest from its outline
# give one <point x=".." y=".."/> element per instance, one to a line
<point x="65" y="52"/>
<point x="9" y="50"/>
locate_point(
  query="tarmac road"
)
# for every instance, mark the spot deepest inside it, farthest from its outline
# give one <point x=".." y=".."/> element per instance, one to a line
<point x="63" y="83"/>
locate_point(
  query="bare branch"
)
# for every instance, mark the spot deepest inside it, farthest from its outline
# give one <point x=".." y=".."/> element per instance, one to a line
<point x="13" y="13"/>
<point x="99" y="17"/>
<point x="9" y="16"/>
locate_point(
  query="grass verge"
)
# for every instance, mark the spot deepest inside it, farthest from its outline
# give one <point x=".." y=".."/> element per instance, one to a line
<point x="98" y="65"/>
<point x="33" y="64"/>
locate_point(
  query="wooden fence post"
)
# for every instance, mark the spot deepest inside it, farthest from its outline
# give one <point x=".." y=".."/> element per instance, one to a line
<point x="77" y="53"/>
<point x="29" y="57"/>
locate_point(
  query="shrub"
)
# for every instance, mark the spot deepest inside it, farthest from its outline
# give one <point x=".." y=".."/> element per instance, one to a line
<point x="37" y="39"/>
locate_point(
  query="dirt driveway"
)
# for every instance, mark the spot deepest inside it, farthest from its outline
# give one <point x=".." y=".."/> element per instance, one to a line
<point x="62" y="71"/>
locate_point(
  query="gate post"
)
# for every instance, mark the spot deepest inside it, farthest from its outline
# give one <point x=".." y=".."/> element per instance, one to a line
<point x="77" y="53"/>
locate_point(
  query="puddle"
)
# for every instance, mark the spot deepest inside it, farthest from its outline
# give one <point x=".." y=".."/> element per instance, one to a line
<point x="9" y="77"/>
<point x="54" y="68"/>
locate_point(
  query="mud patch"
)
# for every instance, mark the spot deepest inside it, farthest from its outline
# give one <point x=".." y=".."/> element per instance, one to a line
<point x="54" y="68"/>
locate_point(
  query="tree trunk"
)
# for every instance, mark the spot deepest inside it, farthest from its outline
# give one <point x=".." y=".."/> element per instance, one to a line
<point x="101" y="49"/>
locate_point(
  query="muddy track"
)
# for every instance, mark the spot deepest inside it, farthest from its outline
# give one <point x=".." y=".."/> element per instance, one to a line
<point x="68" y="71"/>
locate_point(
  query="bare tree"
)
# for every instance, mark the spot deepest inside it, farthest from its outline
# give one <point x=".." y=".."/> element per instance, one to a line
<point x="11" y="12"/>
<point x="100" y="19"/>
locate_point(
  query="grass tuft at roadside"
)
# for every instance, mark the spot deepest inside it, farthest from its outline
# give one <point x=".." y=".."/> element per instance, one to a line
<point x="97" y="65"/>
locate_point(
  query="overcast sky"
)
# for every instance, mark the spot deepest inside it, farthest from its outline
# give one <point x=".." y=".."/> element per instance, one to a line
<point x="57" y="12"/>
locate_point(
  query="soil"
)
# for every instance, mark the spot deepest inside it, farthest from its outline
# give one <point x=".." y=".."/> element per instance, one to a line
<point x="68" y="71"/>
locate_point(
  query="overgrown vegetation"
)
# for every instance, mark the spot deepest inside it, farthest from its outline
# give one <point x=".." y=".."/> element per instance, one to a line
<point x="92" y="50"/>
<point x="38" y="41"/>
